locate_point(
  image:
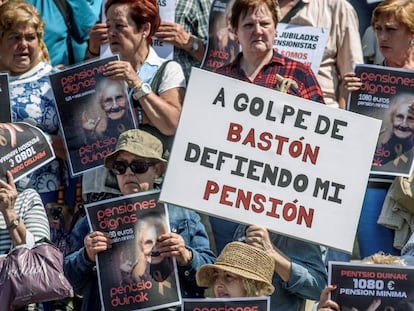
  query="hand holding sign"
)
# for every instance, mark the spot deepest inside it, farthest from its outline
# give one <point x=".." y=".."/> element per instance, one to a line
<point x="8" y="194"/>
<point x="24" y="148"/>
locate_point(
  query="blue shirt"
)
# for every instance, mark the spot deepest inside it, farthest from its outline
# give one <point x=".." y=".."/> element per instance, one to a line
<point x="86" y="13"/>
<point x="308" y="276"/>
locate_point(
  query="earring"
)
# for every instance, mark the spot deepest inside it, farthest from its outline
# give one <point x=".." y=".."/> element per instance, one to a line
<point x="412" y="43"/>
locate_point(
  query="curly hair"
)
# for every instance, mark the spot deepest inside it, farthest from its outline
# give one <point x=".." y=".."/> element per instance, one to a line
<point x="18" y="12"/>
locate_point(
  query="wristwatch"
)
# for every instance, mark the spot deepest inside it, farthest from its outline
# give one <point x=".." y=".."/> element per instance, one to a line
<point x="195" y="46"/>
<point x="142" y="91"/>
<point x="14" y="223"/>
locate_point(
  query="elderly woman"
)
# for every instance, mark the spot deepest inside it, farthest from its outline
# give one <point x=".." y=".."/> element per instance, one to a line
<point x="240" y="270"/>
<point x="32" y="101"/>
<point x="130" y="26"/>
<point x="394" y="29"/>
<point x="137" y="164"/>
<point x="299" y="271"/>
<point x="254" y="24"/>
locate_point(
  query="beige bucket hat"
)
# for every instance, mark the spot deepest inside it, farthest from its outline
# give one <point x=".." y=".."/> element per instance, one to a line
<point x="241" y="259"/>
<point x="138" y="142"/>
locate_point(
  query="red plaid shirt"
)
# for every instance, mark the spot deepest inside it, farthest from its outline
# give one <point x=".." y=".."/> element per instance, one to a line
<point x="308" y="86"/>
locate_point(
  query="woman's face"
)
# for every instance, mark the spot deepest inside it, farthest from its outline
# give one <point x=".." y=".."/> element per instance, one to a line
<point x="256" y="31"/>
<point x="131" y="182"/>
<point x="394" y="39"/>
<point x="123" y="35"/>
<point x="403" y="122"/>
<point x="228" y="285"/>
<point x="19" y="49"/>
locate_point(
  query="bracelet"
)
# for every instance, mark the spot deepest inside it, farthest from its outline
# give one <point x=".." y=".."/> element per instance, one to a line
<point x="140" y="118"/>
<point x="92" y="53"/>
<point x="14" y="223"/>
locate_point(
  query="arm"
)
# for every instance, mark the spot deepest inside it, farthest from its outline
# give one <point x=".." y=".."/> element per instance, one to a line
<point x="175" y="34"/>
<point x="78" y="269"/>
<point x="195" y="246"/>
<point x="190" y="27"/>
<point x="98" y="35"/>
<point x="298" y="264"/>
<point x="27" y="208"/>
<point x="79" y="264"/>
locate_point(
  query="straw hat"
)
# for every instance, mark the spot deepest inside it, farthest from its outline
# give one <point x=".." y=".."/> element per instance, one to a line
<point x="241" y="259"/>
<point x="139" y="143"/>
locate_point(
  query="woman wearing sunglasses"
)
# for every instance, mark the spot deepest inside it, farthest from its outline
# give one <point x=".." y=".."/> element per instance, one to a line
<point x="137" y="164"/>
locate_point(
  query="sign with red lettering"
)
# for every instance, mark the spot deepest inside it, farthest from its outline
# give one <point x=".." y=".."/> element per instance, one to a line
<point x="24" y="148"/>
<point x="226" y="304"/>
<point x="388" y="95"/>
<point x="305" y="44"/>
<point x="372" y="286"/>
<point x="93" y="111"/>
<point x="257" y="156"/>
<point x="131" y="273"/>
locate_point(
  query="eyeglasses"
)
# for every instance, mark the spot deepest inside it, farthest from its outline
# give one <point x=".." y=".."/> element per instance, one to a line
<point x="137" y="166"/>
<point x="109" y="101"/>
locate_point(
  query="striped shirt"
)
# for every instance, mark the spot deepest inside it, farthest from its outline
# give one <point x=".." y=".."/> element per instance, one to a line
<point x="30" y="209"/>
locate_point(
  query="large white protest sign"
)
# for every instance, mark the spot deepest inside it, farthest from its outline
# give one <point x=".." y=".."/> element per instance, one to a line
<point x="305" y="44"/>
<point x="258" y="156"/>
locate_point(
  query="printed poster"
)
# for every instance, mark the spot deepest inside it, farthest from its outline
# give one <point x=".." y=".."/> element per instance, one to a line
<point x="305" y="44"/>
<point x="372" y="286"/>
<point x="294" y="166"/>
<point x="222" y="47"/>
<point x="131" y="275"/>
<point x="5" y="108"/>
<point x="93" y="111"/>
<point x="24" y="148"/>
<point x="230" y="304"/>
<point x="388" y="95"/>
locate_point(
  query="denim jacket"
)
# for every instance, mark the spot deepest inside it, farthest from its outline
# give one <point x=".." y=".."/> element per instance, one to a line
<point x="308" y="275"/>
<point x="82" y="274"/>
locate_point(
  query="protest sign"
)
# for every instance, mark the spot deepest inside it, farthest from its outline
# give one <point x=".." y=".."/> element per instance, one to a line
<point x="305" y="44"/>
<point x="131" y="273"/>
<point x="5" y="106"/>
<point x="361" y="285"/>
<point x="24" y="148"/>
<point x="387" y="94"/>
<point x="167" y="14"/>
<point x="164" y="50"/>
<point x="226" y="304"/>
<point x="257" y="156"/>
<point x="93" y="111"/>
<point x="222" y="46"/>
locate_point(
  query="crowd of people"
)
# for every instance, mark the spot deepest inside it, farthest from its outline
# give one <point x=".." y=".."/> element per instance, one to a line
<point x="214" y="257"/>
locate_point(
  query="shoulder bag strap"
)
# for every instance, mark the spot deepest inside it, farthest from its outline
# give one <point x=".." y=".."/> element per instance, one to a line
<point x="156" y="81"/>
<point x="292" y="12"/>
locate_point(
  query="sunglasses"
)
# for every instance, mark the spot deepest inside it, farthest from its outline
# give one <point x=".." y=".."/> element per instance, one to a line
<point x="137" y="166"/>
